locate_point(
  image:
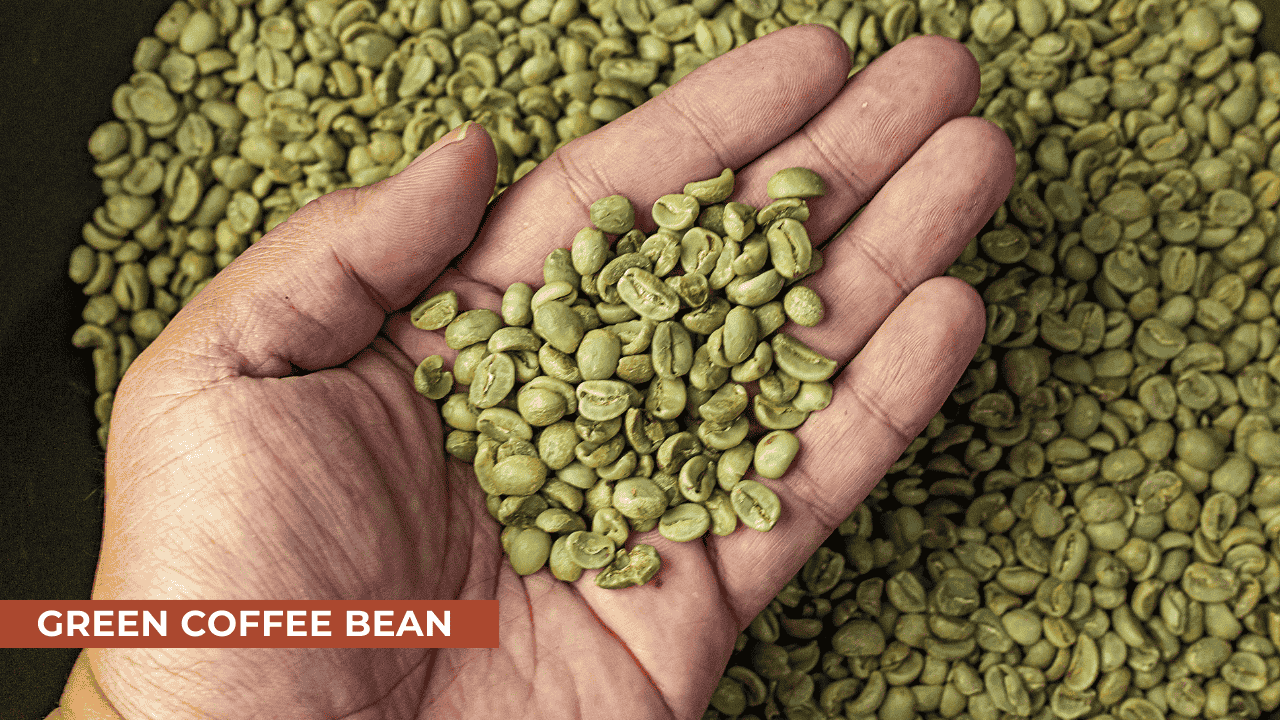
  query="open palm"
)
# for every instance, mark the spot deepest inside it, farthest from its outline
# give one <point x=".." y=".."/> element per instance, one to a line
<point x="270" y="445"/>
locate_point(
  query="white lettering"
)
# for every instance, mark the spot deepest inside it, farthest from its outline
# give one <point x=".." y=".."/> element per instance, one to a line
<point x="127" y="622"/>
<point x="245" y="622"/>
<point x="362" y="621"/>
<point x="44" y="630"/>
<point x="77" y="620"/>
<point x="409" y="624"/>
<point x="320" y="620"/>
<point x="231" y="623"/>
<point x="102" y="623"/>
<point x="267" y="622"/>
<point x="296" y="624"/>
<point x="149" y="621"/>
<point x="433" y="619"/>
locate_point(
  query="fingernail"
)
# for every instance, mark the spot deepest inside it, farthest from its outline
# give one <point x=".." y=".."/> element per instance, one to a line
<point x="452" y="137"/>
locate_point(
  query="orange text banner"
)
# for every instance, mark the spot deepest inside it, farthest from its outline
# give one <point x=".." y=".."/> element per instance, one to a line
<point x="248" y="623"/>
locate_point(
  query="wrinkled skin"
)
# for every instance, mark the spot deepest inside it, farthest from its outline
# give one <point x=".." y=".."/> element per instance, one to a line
<point x="270" y="444"/>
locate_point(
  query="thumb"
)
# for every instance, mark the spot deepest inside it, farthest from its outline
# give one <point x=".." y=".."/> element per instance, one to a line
<point x="316" y="289"/>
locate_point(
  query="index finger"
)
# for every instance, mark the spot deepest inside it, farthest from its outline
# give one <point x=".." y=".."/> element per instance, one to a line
<point x="725" y="114"/>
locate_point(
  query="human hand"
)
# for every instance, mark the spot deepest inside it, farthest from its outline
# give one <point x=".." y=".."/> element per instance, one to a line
<point x="232" y="476"/>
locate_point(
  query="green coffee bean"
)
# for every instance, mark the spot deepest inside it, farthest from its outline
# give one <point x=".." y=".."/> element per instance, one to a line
<point x="777" y="416"/>
<point x="725" y="405"/>
<point x="740" y="334"/>
<point x="562" y="494"/>
<point x="494" y="379"/>
<point x="813" y="396"/>
<point x="646" y="294"/>
<point x="666" y="397"/>
<point x="905" y="592"/>
<point x="1208" y="583"/>
<point x="579" y="475"/>
<point x="859" y="638"/>
<point x="462" y="445"/>
<point x="610" y="523"/>
<point x="559" y="520"/>
<point x="635" y="335"/>
<point x="540" y="406"/>
<point x="601" y="400"/>
<point x="1246" y="671"/>
<point x="677" y="449"/>
<point x="676" y="212"/>
<point x="755" y="290"/>
<point x="754" y="367"/>
<point x="630" y="569"/>
<point x="513" y="340"/>
<point x="464" y="366"/>
<point x="608" y="277"/>
<point x="724" y="520"/>
<point x="431" y="380"/>
<point x="756" y="505"/>
<point x="590" y="550"/>
<point x="516" y="305"/>
<point x="803" y="306"/>
<point x="598" y="354"/>
<point x="613" y="214"/>
<point x="729" y="696"/>
<point x="753" y="255"/>
<point x="671" y="350"/>
<point x="471" y="327"/>
<point x="559" y="325"/>
<point x="774" y="453"/>
<point x="800" y="361"/>
<point x="779" y="387"/>
<point x="685" y="522"/>
<point x="1006" y="689"/>
<point x="796" y="183"/>
<point x="562" y="565"/>
<point x="639" y="498"/>
<point x="590" y="249"/>
<point x="598" y="454"/>
<point x="519" y="475"/>
<point x="457" y="412"/>
<point x="697" y="479"/>
<point x="530" y="550"/>
<point x="83" y="264"/>
<point x="706" y="319"/>
<point x="1185" y="695"/>
<point x="101" y="310"/>
<point x="561" y="281"/>
<point x="700" y="251"/>
<point x="692" y="288"/>
<point x="436" y="312"/>
<point x="714" y="190"/>
<point x="734" y="464"/>
<point x="795" y="208"/>
<point x="723" y="435"/>
<point x="705" y="374"/>
<point x="1207" y="655"/>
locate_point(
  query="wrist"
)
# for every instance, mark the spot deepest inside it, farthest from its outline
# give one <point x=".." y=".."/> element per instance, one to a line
<point x="82" y="698"/>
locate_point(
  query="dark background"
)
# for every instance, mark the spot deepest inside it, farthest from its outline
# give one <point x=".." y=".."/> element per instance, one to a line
<point x="59" y="64"/>
<point x="60" y="61"/>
